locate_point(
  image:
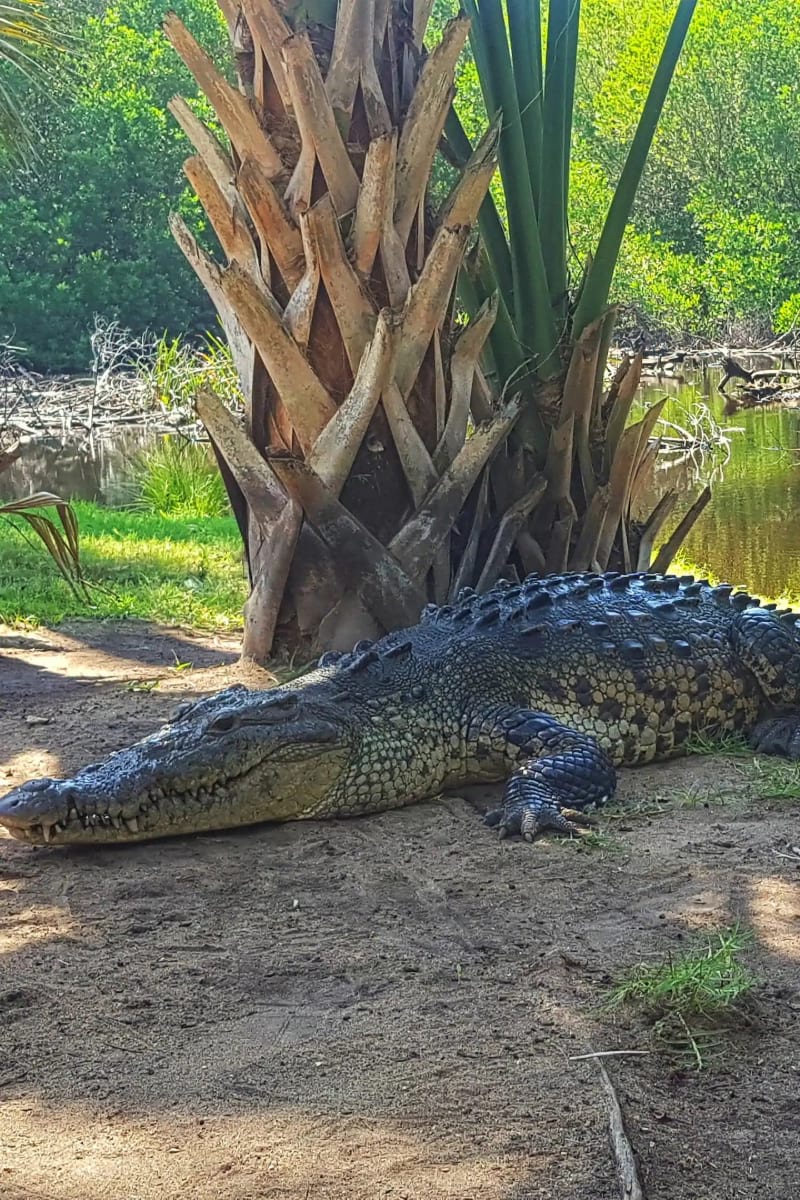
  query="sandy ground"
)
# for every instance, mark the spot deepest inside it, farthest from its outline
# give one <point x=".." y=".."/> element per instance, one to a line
<point x="385" y="1009"/>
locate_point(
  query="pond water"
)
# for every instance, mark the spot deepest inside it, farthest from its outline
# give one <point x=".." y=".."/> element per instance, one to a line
<point x="98" y="469"/>
<point x="749" y="534"/>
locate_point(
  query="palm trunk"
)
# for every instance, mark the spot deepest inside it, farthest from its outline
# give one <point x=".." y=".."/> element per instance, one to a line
<point x="351" y="465"/>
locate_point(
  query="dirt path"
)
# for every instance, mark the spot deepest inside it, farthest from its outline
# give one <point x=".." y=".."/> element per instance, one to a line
<point x="381" y="1009"/>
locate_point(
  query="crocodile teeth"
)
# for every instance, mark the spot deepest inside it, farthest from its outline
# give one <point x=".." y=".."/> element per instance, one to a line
<point x="46" y="831"/>
<point x="131" y="824"/>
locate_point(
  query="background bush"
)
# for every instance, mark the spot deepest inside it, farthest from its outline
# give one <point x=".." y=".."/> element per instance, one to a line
<point x="714" y="248"/>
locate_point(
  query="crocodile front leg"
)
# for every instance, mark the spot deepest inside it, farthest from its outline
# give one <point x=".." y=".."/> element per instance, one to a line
<point x="563" y="772"/>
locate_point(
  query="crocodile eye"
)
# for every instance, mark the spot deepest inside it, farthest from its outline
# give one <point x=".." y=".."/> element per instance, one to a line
<point x="223" y="724"/>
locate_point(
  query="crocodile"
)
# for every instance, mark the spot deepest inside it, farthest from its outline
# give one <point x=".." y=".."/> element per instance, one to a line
<point x="549" y="684"/>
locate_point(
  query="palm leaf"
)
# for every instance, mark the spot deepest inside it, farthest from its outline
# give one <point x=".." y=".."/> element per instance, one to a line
<point x="62" y="544"/>
<point x="598" y="279"/>
<point x="531" y="293"/>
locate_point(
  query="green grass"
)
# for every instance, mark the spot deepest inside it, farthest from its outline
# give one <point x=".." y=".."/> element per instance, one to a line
<point x="774" y="779"/>
<point x="590" y="840"/>
<point x="177" y="478"/>
<point x="694" y="1000"/>
<point x="723" y="743"/>
<point x="176" y="570"/>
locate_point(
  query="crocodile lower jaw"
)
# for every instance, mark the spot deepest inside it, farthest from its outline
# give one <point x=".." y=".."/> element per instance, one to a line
<point x="157" y="814"/>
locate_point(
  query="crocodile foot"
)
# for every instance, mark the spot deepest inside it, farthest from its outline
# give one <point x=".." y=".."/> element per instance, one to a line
<point x="778" y="735"/>
<point x="530" y="807"/>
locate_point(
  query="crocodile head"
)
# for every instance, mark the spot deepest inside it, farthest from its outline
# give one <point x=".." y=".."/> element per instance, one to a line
<point x="235" y="759"/>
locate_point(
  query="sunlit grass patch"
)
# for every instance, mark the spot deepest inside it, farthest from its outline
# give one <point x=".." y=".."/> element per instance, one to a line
<point x="694" y="1000"/>
<point x="176" y="570"/>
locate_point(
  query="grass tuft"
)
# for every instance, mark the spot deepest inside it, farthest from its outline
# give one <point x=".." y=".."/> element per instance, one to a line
<point x="590" y="840"/>
<point x="177" y="478"/>
<point x="692" y="1001"/>
<point x="723" y="743"/>
<point x="774" y="778"/>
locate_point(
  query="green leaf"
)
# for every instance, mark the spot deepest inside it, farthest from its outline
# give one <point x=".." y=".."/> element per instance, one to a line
<point x="556" y="149"/>
<point x="598" y="280"/>
<point x="531" y="310"/>
<point x="525" y="34"/>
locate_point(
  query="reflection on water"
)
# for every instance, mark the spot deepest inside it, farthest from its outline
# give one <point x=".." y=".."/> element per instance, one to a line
<point x="750" y="533"/>
<point x="99" y="469"/>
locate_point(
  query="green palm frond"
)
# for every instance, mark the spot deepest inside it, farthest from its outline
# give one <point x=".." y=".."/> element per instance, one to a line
<point x="27" y="35"/>
<point x="533" y="85"/>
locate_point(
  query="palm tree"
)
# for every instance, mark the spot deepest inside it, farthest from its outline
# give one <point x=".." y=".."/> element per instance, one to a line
<point x="399" y="445"/>
<point x="26" y="35"/>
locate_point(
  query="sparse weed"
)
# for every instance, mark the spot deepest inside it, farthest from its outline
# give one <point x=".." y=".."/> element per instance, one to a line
<point x="774" y="778"/>
<point x="636" y="806"/>
<point x="692" y="1001"/>
<point x="695" y="796"/>
<point x="591" y="840"/>
<point x="723" y="743"/>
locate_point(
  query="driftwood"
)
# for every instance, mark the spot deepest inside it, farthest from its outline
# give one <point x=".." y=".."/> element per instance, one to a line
<point x="774" y="386"/>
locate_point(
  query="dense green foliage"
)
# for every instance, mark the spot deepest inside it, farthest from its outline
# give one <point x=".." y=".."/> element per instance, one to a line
<point x="715" y="239"/>
<point x="714" y="243"/>
<point x="85" y="231"/>
<point x="177" y="570"/>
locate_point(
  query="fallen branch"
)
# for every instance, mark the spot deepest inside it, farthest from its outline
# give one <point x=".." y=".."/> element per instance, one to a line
<point x="605" y="1054"/>
<point x="624" y="1155"/>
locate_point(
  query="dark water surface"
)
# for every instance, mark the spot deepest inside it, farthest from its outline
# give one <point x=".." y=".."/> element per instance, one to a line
<point x="99" y="469"/>
<point x="749" y="534"/>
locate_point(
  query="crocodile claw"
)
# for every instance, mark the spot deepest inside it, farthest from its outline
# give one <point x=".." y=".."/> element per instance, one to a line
<point x="528" y="818"/>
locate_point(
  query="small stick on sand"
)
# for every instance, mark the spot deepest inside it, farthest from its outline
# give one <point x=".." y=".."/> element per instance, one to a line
<point x="605" y="1054"/>
<point x="624" y="1155"/>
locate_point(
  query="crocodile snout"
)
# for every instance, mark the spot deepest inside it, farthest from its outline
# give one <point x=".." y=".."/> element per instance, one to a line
<point x="33" y="809"/>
